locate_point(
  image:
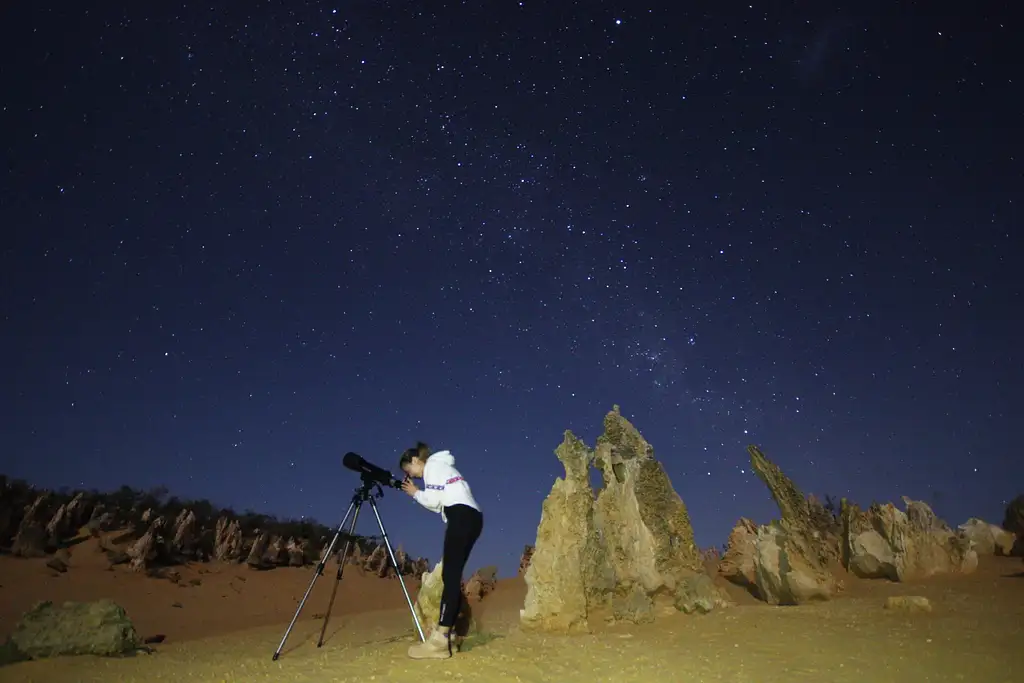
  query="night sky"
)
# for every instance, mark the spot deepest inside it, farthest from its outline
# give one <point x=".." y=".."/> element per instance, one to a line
<point x="243" y="239"/>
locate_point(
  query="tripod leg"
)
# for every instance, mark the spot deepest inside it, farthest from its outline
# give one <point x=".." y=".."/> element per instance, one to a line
<point x="319" y="570"/>
<point x="341" y="568"/>
<point x="398" y="570"/>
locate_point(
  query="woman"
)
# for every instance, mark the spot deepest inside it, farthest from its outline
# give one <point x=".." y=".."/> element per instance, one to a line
<point x="447" y="492"/>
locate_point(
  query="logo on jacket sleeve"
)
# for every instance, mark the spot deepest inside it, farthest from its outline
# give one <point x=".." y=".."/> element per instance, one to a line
<point x="453" y="480"/>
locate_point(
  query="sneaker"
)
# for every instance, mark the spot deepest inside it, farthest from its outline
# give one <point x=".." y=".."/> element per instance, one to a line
<point x="436" y="646"/>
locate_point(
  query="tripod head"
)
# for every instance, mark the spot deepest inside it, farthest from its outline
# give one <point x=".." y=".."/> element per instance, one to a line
<point x="368" y="488"/>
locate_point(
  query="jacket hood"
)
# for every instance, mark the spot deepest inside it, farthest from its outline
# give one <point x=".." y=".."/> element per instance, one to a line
<point x="442" y="457"/>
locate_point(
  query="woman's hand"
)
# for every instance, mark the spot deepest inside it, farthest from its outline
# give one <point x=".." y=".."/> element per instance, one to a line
<point x="409" y="487"/>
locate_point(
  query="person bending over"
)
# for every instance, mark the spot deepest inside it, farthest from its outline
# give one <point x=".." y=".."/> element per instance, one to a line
<point x="445" y="490"/>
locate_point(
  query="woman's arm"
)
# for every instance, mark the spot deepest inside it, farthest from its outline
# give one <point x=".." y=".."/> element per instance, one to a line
<point x="430" y="496"/>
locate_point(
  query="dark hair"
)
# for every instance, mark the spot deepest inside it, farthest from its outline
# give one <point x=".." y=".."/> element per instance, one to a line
<point x="420" y="450"/>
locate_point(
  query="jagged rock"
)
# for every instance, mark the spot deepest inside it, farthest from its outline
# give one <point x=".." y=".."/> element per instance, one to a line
<point x="296" y="551"/>
<point x="987" y="539"/>
<point x="524" y="560"/>
<point x="184" y="533"/>
<point x="100" y="520"/>
<point x="738" y="565"/>
<point x="792" y="557"/>
<point x="142" y="551"/>
<point x="481" y="582"/>
<point x="804" y="515"/>
<point x="228" y="543"/>
<point x="567" y="548"/>
<point x="377" y="562"/>
<point x="258" y="550"/>
<point x="356" y="557"/>
<point x="30" y="541"/>
<point x="630" y="552"/>
<point x="885" y="542"/>
<point x="786" y="570"/>
<point x="275" y="553"/>
<point x="643" y="523"/>
<point x="196" y="532"/>
<point x="75" y="628"/>
<point x="67" y="520"/>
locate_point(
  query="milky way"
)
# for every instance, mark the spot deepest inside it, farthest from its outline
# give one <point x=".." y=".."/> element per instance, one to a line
<point x="244" y="239"/>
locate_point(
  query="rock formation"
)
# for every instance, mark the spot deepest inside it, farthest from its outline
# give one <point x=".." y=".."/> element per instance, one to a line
<point x="428" y="606"/>
<point x="567" y="549"/>
<point x="147" y="532"/>
<point x="481" y="583"/>
<point x="886" y="542"/>
<point x="792" y="556"/>
<point x="524" y="559"/>
<point x="794" y="559"/>
<point x="627" y="555"/>
<point x="31" y="541"/>
<point x="987" y="539"/>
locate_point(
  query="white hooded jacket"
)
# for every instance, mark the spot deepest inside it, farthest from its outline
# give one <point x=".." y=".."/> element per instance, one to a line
<point x="443" y="485"/>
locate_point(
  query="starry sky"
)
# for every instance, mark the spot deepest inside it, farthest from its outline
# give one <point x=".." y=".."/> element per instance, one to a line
<point x="243" y="239"/>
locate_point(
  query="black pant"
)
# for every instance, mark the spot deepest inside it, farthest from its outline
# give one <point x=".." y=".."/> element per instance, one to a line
<point x="464" y="527"/>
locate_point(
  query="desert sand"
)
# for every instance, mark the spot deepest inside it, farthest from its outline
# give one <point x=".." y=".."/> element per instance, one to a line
<point x="222" y="623"/>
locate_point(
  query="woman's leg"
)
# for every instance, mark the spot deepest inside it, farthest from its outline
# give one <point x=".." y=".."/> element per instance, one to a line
<point x="464" y="527"/>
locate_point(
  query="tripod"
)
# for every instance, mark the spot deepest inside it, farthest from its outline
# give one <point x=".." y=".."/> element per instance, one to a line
<point x="364" y="494"/>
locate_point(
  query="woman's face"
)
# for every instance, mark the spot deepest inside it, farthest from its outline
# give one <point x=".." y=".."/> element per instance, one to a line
<point x="414" y="468"/>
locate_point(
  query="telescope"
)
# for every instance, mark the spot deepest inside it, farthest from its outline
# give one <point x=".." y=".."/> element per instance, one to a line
<point x="368" y="470"/>
<point x="373" y="478"/>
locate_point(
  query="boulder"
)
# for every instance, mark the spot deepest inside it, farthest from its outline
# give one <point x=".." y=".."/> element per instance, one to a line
<point x="786" y="568"/>
<point x="738" y="565"/>
<point x="885" y="542"/>
<point x="75" y="628"/>
<point x="697" y="593"/>
<point x="987" y="539"/>
<point x="567" y="549"/>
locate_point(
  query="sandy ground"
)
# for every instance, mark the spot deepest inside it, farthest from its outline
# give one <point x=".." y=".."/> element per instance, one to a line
<point x="226" y="629"/>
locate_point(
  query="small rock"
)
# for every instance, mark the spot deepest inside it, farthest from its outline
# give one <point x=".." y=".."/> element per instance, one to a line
<point x="57" y="564"/>
<point x="908" y="603"/>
